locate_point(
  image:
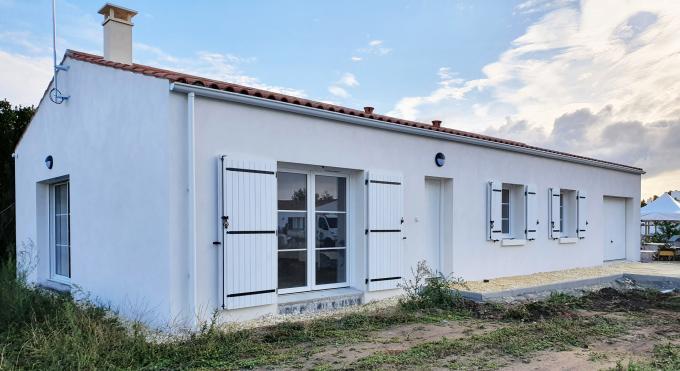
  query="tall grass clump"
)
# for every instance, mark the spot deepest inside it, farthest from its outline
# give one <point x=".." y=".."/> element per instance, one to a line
<point x="431" y="289"/>
<point x="42" y="329"/>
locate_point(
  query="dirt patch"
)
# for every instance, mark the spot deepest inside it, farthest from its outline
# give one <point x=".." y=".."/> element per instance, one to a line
<point x="609" y="299"/>
<point x="398" y="339"/>
<point x="594" y="331"/>
<point x="637" y="345"/>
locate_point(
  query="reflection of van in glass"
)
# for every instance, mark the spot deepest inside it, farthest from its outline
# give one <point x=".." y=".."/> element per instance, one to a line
<point x="295" y="227"/>
<point x="292" y="234"/>
<point x="327" y="230"/>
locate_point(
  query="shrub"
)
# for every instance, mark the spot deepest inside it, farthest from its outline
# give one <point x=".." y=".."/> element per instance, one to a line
<point x="430" y="289"/>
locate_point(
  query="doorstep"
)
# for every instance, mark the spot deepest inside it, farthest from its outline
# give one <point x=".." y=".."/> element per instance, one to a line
<point x="319" y="301"/>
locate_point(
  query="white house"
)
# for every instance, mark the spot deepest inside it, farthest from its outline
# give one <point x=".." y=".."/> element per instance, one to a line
<point x="172" y="196"/>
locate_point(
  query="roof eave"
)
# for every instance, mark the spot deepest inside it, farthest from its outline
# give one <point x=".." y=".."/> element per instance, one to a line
<point x="363" y="121"/>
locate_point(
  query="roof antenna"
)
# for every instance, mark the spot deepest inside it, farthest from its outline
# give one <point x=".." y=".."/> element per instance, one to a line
<point x="55" y="94"/>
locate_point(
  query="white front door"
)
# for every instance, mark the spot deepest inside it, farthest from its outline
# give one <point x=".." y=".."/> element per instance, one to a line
<point x="312" y="231"/>
<point x="614" y="228"/>
<point x="433" y="228"/>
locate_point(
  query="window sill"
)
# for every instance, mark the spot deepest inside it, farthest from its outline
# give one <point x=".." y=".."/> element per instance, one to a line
<point x="568" y="240"/>
<point x="56" y="285"/>
<point x="513" y="242"/>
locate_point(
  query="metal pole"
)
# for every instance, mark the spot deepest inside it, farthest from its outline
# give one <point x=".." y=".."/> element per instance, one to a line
<point x="54" y="42"/>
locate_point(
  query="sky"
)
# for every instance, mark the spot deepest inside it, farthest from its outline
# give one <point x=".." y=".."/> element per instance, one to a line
<point x="595" y="78"/>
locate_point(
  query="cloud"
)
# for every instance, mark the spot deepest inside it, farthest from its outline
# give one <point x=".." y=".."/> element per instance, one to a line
<point x="653" y="146"/>
<point x="338" y="91"/>
<point x="593" y="67"/>
<point x="23" y="79"/>
<point x="356" y="59"/>
<point x="218" y="66"/>
<point x="536" y="6"/>
<point x="348" y="79"/>
<point x="376" y="47"/>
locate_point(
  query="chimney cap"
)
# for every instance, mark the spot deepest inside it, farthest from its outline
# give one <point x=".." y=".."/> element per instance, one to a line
<point x="368" y="110"/>
<point x="117" y="12"/>
<point x="437" y="123"/>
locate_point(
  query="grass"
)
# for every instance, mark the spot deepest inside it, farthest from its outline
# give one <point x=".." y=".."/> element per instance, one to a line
<point x="666" y="357"/>
<point x="43" y="330"/>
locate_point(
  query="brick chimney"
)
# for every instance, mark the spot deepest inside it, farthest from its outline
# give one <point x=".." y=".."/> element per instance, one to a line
<point x="117" y="33"/>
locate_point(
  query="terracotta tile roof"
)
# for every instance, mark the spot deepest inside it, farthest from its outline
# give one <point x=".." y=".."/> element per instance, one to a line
<point x="179" y="77"/>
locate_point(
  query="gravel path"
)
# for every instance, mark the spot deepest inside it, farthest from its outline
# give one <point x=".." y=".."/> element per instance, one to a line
<point x="671" y="269"/>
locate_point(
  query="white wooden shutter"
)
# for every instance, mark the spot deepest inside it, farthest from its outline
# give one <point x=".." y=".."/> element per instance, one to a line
<point x="250" y="232"/>
<point x="582" y="211"/>
<point x="554" y="202"/>
<point x="385" y="218"/>
<point x="494" y="206"/>
<point x="531" y="225"/>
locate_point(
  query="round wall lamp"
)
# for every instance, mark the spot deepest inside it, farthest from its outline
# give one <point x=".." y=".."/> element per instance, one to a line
<point x="49" y="161"/>
<point x="439" y="159"/>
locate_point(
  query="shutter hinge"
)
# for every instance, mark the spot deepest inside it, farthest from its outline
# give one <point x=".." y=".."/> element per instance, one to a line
<point x="366" y="231"/>
<point x="366" y="182"/>
<point x="225" y="222"/>
<point x="367" y="281"/>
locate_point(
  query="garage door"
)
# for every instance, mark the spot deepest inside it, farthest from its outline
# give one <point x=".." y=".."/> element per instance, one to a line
<point x="614" y="228"/>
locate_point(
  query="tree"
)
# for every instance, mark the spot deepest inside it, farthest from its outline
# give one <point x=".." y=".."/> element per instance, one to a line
<point x="13" y="121"/>
<point x="643" y="203"/>
<point x="665" y="230"/>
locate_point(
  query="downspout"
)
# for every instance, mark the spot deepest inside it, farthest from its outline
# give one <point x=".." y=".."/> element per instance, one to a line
<point x="191" y="178"/>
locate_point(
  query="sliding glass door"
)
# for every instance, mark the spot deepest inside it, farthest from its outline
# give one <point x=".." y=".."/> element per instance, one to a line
<point x="312" y="231"/>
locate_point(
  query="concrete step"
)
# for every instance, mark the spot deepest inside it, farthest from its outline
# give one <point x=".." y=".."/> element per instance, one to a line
<point x="319" y="301"/>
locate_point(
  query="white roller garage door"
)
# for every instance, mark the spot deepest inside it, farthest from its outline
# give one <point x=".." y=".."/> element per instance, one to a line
<point x="614" y="228"/>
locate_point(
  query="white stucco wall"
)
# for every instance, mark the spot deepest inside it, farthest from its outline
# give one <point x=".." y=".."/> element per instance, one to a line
<point x="224" y="128"/>
<point x="111" y="142"/>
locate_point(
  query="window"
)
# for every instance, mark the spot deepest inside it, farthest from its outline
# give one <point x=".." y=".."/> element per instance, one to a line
<point x="505" y="211"/>
<point x="331" y="232"/>
<point x="292" y="229"/>
<point x="512" y="211"/>
<point x="60" y="231"/>
<point x="312" y="231"/>
<point x="568" y="221"/>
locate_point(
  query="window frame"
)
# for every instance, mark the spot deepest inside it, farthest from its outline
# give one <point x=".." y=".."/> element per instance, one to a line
<point x="504" y="191"/>
<point x="561" y="213"/>
<point x="568" y="214"/>
<point x="312" y="213"/>
<point x="54" y="276"/>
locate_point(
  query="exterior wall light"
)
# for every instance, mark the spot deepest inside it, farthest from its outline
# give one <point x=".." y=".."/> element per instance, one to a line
<point x="49" y="161"/>
<point x="439" y="159"/>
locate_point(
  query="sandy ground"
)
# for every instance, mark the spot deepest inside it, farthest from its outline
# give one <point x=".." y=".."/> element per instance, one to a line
<point x="670" y="269"/>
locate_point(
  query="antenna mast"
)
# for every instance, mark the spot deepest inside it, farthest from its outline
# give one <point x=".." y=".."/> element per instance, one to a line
<point x="55" y="95"/>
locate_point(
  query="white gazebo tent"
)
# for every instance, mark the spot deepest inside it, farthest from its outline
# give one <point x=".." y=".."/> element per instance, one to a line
<point x="664" y="208"/>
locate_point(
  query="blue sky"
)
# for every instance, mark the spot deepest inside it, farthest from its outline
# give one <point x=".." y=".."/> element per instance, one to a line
<point x="597" y="78"/>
